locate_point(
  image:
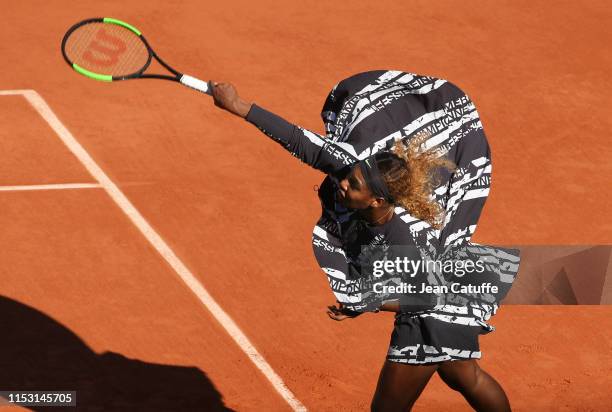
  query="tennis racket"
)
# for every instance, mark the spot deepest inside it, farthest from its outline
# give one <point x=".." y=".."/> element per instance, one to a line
<point x="108" y="50"/>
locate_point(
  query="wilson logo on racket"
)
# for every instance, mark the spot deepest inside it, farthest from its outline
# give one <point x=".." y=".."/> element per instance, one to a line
<point x="107" y="45"/>
<point x="108" y="49"/>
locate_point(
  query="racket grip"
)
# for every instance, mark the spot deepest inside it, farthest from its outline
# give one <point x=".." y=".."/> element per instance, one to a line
<point x="199" y="85"/>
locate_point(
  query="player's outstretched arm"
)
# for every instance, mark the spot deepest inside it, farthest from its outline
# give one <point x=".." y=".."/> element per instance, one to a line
<point x="313" y="149"/>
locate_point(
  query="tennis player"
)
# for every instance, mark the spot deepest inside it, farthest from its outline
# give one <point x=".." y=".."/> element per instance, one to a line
<point x="407" y="163"/>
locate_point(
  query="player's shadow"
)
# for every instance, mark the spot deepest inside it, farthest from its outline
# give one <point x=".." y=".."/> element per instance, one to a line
<point x="38" y="353"/>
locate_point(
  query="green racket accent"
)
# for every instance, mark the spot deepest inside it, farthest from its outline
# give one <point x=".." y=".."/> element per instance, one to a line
<point x="96" y="76"/>
<point x="121" y="23"/>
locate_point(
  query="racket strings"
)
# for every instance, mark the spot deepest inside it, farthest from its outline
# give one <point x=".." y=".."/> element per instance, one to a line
<point x="107" y="49"/>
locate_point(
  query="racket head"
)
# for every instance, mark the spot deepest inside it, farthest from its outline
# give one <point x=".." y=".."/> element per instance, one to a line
<point x="106" y="49"/>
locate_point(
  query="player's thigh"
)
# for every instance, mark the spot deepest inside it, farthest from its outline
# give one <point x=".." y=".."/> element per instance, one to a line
<point x="399" y="386"/>
<point x="461" y="374"/>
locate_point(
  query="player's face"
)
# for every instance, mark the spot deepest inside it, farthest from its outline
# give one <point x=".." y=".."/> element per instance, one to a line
<point x="353" y="192"/>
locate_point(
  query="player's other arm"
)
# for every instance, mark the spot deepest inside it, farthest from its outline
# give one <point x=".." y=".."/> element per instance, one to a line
<point x="341" y="313"/>
<point x="313" y="149"/>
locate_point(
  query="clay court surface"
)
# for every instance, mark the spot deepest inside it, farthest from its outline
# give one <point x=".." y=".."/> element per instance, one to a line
<point x="79" y="278"/>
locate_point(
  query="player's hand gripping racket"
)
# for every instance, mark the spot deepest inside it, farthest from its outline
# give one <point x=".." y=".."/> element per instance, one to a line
<point x="108" y="49"/>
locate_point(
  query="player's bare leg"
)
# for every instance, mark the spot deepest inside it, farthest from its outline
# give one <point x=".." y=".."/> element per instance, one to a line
<point x="482" y="392"/>
<point x="399" y="386"/>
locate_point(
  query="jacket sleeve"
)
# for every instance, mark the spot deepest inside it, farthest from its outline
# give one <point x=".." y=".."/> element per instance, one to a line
<point x="311" y="148"/>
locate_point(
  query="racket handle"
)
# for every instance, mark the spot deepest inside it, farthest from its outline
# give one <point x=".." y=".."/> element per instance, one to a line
<point x="199" y="85"/>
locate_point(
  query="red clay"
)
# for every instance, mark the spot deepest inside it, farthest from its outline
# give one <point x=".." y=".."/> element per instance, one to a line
<point x="84" y="265"/>
<point x="223" y="195"/>
<point x="22" y="136"/>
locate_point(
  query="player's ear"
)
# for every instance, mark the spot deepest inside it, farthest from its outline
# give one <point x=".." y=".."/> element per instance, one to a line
<point x="377" y="202"/>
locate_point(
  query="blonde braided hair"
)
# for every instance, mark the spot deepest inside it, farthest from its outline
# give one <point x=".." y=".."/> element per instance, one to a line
<point x="411" y="175"/>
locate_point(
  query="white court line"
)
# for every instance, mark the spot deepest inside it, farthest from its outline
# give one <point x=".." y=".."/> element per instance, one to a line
<point x="159" y="244"/>
<point x="62" y="186"/>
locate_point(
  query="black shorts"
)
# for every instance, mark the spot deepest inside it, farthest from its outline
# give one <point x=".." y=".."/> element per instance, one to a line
<point x="422" y="339"/>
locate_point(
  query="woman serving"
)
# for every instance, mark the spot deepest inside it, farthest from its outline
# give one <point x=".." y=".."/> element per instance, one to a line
<point x="408" y="170"/>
